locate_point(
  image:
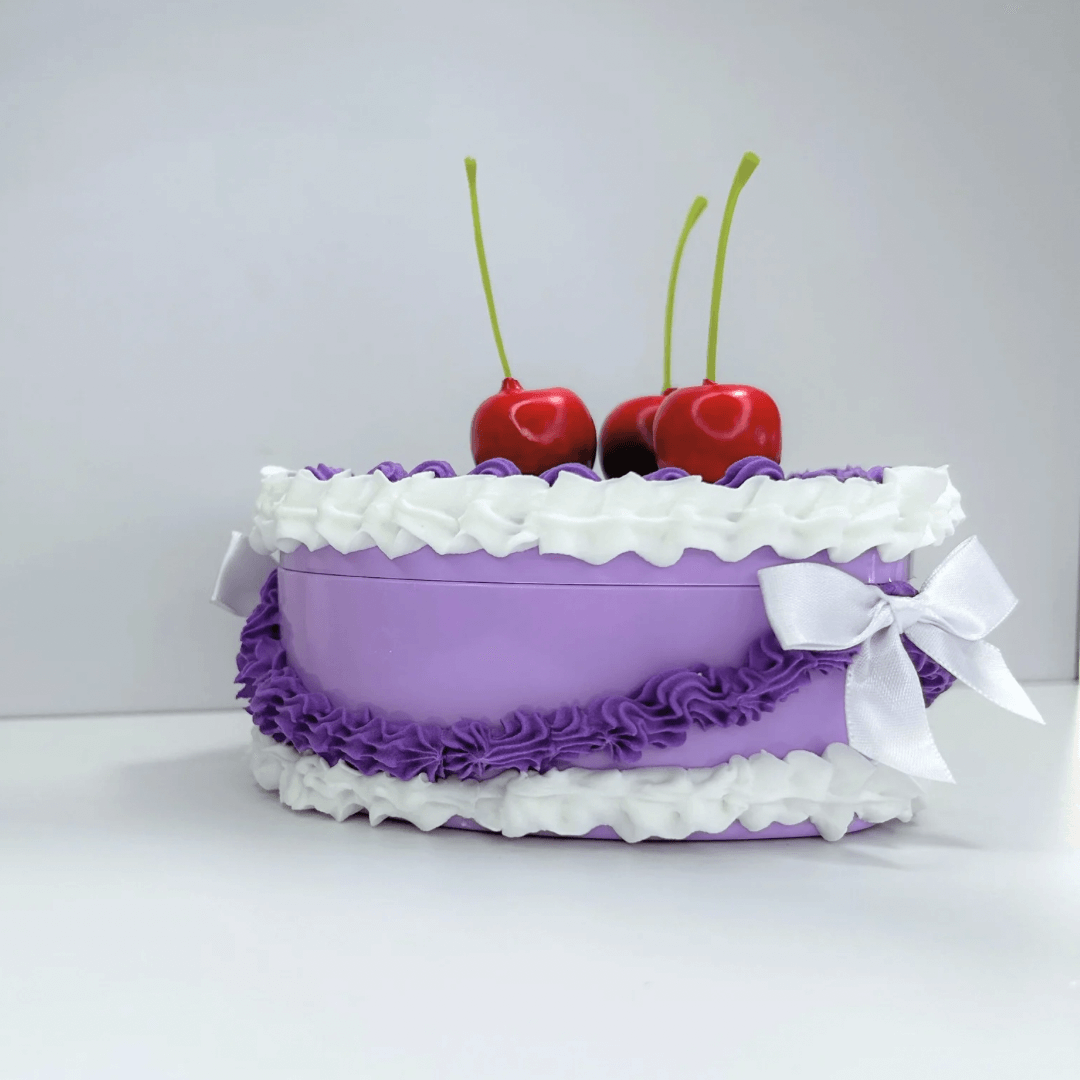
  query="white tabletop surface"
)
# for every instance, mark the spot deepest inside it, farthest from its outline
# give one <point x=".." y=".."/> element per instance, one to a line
<point x="163" y="917"/>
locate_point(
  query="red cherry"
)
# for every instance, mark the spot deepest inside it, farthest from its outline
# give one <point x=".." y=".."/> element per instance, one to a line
<point x="535" y="429"/>
<point x="704" y="429"/>
<point x="626" y="439"/>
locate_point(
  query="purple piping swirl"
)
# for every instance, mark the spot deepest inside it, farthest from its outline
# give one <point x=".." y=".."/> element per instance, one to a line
<point x="496" y="466"/>
<point x="668" y="473"/>
<point x="849" y="472"/>
<point x="575" y="468"/>
<point x="441" y="469"/>
<point x="391" y="470"/>
<point x="659" y="713"/>
<point x="741" y="471"/>
<point x="323" y="472"/>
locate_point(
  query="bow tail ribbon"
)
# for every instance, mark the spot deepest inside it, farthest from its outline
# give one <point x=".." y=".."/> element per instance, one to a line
<point x="886" y="717"/>
<point x="977" y="664"/>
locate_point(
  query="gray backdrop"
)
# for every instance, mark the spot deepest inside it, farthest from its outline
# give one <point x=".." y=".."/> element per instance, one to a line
<point x="237" y="234"/>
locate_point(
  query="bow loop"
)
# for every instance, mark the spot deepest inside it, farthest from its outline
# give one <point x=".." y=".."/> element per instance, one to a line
<point x="242" y="573"/>
<point x="838" y="611"/>
<point x="822" y="608"/>
<point x="966" y="594"/>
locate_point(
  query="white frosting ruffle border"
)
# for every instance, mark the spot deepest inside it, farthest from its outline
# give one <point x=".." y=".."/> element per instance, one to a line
<point x="594" y="521"/>
<point x="668" y="803"/>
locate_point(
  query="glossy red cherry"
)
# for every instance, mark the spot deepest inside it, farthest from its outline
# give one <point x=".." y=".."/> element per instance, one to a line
<point x="626" y="439"/>
<point x="704" y="429"/>
<point x="535" y="429"/>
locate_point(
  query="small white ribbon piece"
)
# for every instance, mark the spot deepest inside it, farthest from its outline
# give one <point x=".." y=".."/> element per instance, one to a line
<point x="821" y="608"/>
<point x="241" y="577"/>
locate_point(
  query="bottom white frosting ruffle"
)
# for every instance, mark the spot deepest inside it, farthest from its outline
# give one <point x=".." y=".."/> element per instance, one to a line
<point x="668" y="803"/>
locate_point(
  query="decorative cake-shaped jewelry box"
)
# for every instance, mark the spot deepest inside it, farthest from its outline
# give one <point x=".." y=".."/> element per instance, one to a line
<point x="571" y="656"/>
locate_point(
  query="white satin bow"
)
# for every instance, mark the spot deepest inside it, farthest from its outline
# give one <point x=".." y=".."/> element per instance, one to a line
<point x="241" y="577"/>
<point x="821" y="608"/>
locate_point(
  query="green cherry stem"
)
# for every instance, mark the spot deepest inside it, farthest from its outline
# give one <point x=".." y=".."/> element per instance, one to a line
<point x="697" y="208"/>
<point x="746" y="168"/>
<point x="470" y="171"/>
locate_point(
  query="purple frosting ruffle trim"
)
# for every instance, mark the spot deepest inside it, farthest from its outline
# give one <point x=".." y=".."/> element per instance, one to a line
<point x="736" y="475"/>
<point x="659" y="713"/>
